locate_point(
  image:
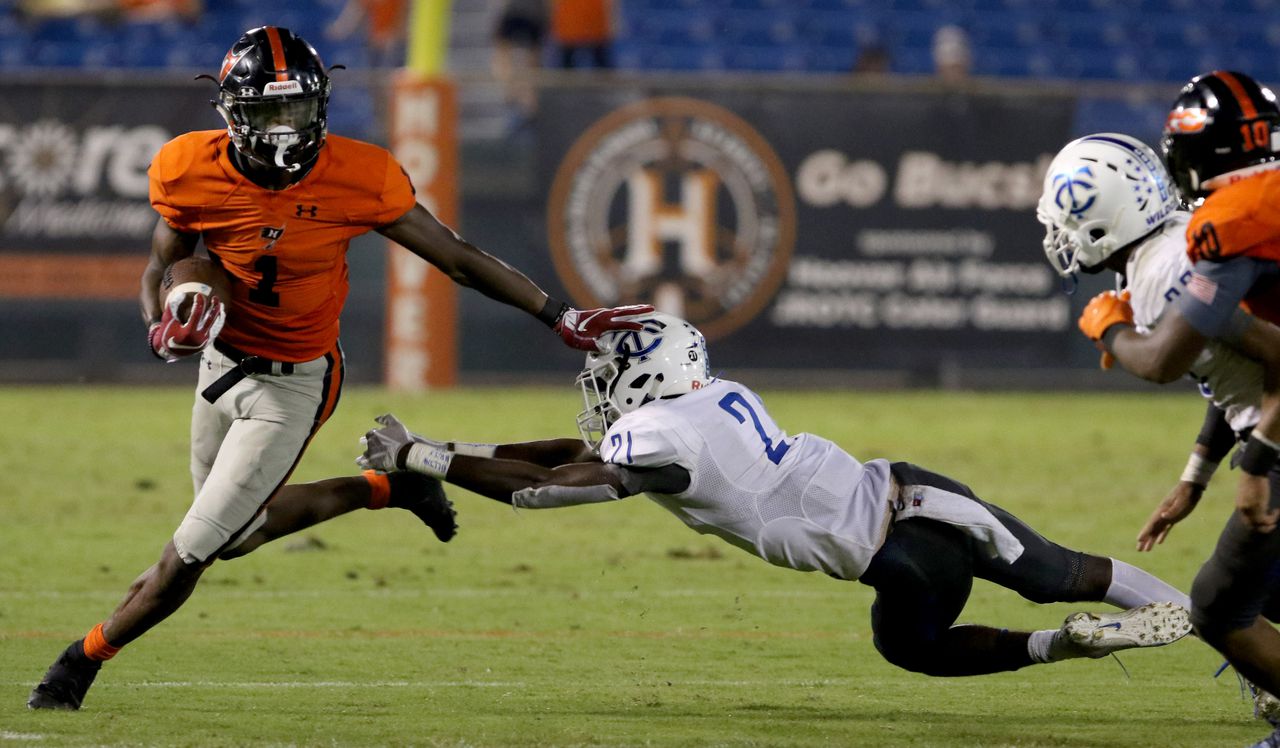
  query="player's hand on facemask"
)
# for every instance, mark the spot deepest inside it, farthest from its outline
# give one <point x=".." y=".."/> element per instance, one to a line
<point x="582" y="328"/>
<point x="1103" y="311"/>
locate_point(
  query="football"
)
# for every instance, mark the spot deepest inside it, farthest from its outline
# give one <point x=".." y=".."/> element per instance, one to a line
<point x="194" y="293"/>
<point x="195" y="270"/>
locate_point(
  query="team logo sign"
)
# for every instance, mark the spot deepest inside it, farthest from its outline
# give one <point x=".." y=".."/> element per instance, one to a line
<point x="675" y="202"/>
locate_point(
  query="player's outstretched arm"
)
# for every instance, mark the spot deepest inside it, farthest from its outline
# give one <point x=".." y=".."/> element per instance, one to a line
<point x="419" y="232"/>
<point x="1213" y="443"/>
<point x="496" y="471"/>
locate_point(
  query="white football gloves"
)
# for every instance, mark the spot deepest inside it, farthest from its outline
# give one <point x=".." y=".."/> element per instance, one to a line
<point x="390" y="448"/>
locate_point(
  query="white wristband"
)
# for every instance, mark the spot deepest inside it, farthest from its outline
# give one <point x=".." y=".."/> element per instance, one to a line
<point x="473" y="449"/>
<point x="430" y="459"/>
<point x="1198" y="470"/>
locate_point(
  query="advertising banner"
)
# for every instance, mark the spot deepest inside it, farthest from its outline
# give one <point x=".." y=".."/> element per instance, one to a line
<point x="814" y="228"/>
<point x="74" y="217"/>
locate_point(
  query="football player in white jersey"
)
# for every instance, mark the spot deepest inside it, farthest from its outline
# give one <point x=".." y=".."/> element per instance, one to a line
<point x="1109" y="204"/>
<point x="706" y="449"/>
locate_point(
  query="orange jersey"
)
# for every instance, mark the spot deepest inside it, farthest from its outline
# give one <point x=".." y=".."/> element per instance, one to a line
<point x="1242" y="218"/>
<point x="284" y="249"/>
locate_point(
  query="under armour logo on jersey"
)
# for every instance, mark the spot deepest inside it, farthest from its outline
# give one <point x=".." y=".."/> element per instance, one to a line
<point x="309" y="210"/>
<point x="272" y="235"/>
<point x="1076" y="192"/>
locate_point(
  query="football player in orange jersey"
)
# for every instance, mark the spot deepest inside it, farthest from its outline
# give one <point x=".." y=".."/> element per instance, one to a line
<point x="276" y="201"/>
<point x="1221" y="142"/>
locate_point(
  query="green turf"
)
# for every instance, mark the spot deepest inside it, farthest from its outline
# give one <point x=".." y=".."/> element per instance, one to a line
<point x="602" y="625"/>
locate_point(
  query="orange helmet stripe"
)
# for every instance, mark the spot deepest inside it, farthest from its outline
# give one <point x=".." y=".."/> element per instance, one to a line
<point x="1242" y="97"/>
<point x="277" y="53"/>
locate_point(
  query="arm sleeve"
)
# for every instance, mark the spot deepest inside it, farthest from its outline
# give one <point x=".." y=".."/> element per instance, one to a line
<point x="1214" y="293"/>
<point x="1215" y="434"/>
<point x="550" y="497"/>
<point x="671" y="479"/>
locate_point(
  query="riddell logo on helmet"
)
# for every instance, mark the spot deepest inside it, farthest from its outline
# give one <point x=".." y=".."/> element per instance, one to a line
<point x="1186" y="121"/>
<point x="282" y="87"/>
<point x="676" y="202"/>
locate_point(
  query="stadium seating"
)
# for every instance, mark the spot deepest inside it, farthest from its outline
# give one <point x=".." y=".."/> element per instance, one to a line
<point x="1130" y="40"/>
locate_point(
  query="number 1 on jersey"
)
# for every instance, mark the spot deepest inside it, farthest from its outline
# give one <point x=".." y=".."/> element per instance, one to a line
<point x="264" y="293"/>
<point x="774" y="453"/>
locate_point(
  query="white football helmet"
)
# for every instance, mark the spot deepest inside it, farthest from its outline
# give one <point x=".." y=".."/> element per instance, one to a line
<point x="668" y="357"/>
<point x="1102" y="193"/>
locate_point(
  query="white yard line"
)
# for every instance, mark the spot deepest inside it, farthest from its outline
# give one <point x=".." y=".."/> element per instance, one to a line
<point x="355" y="685"/>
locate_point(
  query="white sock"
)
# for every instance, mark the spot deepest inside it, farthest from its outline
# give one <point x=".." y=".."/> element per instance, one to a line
<point x="1131" y="587"/>
<point x="1039" y="644"/>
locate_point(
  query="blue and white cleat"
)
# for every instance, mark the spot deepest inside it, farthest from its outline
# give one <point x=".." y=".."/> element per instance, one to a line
<point x="1099" y="634"/>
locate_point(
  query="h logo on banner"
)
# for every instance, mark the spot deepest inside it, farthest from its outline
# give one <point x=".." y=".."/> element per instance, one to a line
<point x="691" y="223"/>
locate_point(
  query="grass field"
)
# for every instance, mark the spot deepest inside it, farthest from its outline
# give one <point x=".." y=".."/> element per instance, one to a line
<point x="603" y="625"/>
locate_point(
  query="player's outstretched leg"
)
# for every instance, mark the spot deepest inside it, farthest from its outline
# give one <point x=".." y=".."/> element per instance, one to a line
<point x="67" y="681"/>
<point x="1099" y="634"/>
<point x="298" y="506"/>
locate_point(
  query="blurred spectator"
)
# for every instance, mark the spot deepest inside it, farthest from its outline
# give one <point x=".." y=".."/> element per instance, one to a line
<point x="151" y="11"/>
<point x="517" y="54"/>
<point x="952" y="55"/>
<point x="583" y="30"/>
<point x="872" y="60"/>
<point x="385" y="23"/>
<point x="64" y="8"/>
<point x="140" y="11"/>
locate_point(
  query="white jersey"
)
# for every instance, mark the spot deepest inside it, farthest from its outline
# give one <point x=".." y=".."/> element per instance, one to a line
<point x="1157" y="273"/>
<point x="796" y="501"/>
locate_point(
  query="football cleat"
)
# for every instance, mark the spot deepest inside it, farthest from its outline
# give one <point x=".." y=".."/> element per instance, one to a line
<point x="67" y="680"/>
<point x="1099" y="634"/>
<point x="425" y="497"/>
<point x="1265" y="706"/>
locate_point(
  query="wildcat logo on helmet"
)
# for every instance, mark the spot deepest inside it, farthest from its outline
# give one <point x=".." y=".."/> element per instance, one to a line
<point x="1076" y="192"/>
<point x="676" y="202"/>
<point x="632" y="345"/>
